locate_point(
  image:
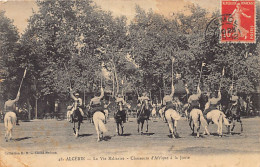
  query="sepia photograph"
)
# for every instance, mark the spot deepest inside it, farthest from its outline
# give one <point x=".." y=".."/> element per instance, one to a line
<point x="129" y="83"/>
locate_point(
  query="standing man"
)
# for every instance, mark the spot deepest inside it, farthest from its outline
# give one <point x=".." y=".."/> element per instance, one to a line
<point x="10" y="106"/>
<point x="77" y="102"/>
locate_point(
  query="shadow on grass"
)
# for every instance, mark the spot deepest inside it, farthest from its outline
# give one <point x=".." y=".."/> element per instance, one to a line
<point x="23" y="138"/>
<point x="85" y="135"/>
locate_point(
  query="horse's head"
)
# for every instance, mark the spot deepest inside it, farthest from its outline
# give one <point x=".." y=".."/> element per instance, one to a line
<point x="120" y="106"/>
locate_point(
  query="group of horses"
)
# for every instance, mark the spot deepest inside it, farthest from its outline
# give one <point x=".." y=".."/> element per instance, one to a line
<point x="195" y="118"/>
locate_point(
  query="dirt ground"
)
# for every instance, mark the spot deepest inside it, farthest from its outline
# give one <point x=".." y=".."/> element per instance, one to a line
<point x="58" y="135"/>
<point x="55" y="137"/>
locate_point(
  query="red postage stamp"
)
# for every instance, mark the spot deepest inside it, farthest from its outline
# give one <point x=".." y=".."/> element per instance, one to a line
<point x="238" y="21"/>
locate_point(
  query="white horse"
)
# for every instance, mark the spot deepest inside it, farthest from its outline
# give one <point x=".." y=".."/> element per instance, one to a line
<point x="98" y="119"/>
<point x="154" y="112"/>
<point x="196" y="118"/>
<point x="217" y="117"/>
<point x="172" y="117"/>
<point x="10" y="122"/>
<point x="69" y="113"/>
<point x="161" y="113"/>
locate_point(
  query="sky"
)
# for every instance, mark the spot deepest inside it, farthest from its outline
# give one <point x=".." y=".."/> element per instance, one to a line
<point x="20" y="10"/>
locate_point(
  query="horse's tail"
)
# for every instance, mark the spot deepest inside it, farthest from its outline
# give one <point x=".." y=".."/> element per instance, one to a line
<point x="224" y="119"/>
<point x="9" y="122"/>
<point x="102" y="126"/>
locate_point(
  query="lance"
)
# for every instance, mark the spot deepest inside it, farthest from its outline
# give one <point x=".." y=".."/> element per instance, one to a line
<point x="172" y="68"/>
<point x="233" y="71"/>
<point x="223" y="73"/>
<point x="22" y="79"/>
<point x="202" y="65"/>
<point x="67" y="74"/>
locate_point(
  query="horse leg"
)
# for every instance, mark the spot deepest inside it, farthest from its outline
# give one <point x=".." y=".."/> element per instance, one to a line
<point x="122" y="127"/>
<point x="117" y="129"/>
<point x="192" y="129"/>
<point x="170" y="124"/>
<point x="147" y="125"/>
<point x="241" y="124"/>
<point x="74" y="130"/>
<point x="175" y="128"/>
<point x="138" y="127"/>
<point x="77" y="130"/>
<point x="97" y="129"/>
<point x="195" y="123"/>
<point x="142" y="126"/>
<point x="234" y="124"/>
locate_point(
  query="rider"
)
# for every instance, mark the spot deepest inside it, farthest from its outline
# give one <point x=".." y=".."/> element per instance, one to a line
<point x="168" y="102"/>
<point x="212" y="103"/>
<point x="97" y="104"/>
<point x="233" y="104"/>
<point x="77" y="102"/>
<point x="141" y="102"/>
<point x="121" y="108"/>
<point x="10" y="106"/>
<point x="193" y="100"/>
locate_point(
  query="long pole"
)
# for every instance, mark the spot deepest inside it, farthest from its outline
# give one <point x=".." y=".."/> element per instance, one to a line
<point x="223" y="72"/>
<point x="67" y="74"/>
<point x="200" y="73"/>
<point x="233" y="71"/>
<point x="22" y="79"/>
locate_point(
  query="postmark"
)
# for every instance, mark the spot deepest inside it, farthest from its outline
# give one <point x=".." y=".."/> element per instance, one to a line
<point x="238" y="22"/>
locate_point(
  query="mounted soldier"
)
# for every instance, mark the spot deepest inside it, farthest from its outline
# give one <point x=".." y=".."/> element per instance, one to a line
<point x="193" y="100"/>
<point x="142" y="100"/>
<point x="121" y="104"/>
<point x="96" y="103"/>
<point x="10" y="106"/>
<point x="212" y="103"/>
<point x="77" y="103"/>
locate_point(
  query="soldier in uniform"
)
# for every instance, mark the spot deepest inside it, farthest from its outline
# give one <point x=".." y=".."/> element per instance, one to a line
<point x="96" y="103"/>
<point x="77" y="102"/>
<point x="10" y="106"/>
<point x="212" y="103"/>
<point x="121" y="106"/>
<point x="233" y="103"/>
<point x="193" y="100"/>
<point x="141" y="102"/>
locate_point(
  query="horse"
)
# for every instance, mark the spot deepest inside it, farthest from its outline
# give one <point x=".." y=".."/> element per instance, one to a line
<point x="172" y="117"/>
<point x="196" y="118"/>
<point x="143" y="115"/>
<point x="69" y="113"/>
<point x="120" y="118"/>
<point x="233" y="113"/>
<point x="9" y="121"/>
<point x="217" y="117"/>
<point x="76" y="117"/>
<point x="154" y="111"/>
<point x="185" y="110"/>
<point x="98" y="119"/>
<point x="161" y="113"/>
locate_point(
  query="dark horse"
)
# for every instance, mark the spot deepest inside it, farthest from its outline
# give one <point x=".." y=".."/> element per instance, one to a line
<point x="233" y="112"/>
<point x="143" y="115"/>
<point x="76" y="117"/>
<point x="120" y="118"/>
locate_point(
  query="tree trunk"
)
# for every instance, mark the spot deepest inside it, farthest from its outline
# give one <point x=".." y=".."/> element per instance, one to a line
<point x="29" y="109"/>
<point x="36" y="108"/>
